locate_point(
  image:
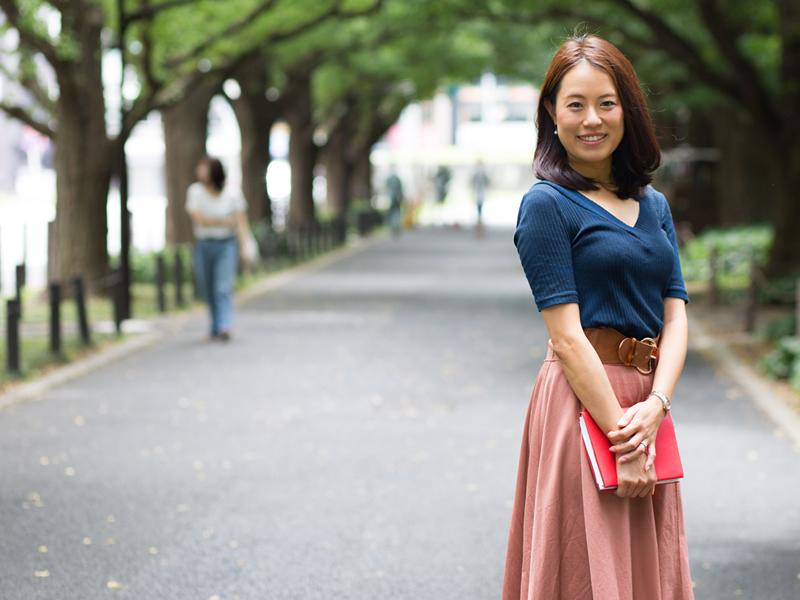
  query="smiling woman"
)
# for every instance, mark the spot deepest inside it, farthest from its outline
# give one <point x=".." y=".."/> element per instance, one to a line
<point x="591" y="89"/>
<point x="598" y="248"/>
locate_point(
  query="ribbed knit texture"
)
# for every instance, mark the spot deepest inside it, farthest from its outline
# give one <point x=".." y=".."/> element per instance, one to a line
<point x="573" y="250"/>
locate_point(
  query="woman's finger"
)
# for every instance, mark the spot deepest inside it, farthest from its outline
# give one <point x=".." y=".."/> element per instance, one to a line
<point x="651" y="458"/>
<point x="626" y="419"/>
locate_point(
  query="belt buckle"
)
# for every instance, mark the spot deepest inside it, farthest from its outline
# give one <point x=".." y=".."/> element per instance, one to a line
<point x="652" y="343"/>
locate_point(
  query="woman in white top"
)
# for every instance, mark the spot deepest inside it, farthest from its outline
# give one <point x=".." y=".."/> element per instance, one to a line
<point x="219" y="219"/>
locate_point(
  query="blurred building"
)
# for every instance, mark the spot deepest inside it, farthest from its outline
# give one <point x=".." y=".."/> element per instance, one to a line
<point x="492" y="121"/>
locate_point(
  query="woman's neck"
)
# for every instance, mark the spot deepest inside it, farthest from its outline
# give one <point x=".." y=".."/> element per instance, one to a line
<point x="600" y="172"/>
<point x="211" y="189"/>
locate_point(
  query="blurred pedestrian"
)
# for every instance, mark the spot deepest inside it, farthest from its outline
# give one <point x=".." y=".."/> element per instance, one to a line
<point x="219" y="218"/>
<point x="480" y="182"/>
<point x="395" y="188"/>
<point x="598" y="248"/>
<point x="442" y="181"/>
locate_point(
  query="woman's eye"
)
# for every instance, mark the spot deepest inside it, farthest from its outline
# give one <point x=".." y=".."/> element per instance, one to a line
<point x="574" y="105"/>
<point x="609" y="103"/>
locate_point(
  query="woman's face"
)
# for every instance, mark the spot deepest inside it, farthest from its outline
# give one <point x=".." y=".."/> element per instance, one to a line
<point x="589" y="118"/>
<point x="203" y="172"/>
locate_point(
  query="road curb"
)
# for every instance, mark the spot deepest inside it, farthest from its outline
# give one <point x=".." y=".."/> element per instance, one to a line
<point x="169" y="324"/>
<point x="759" y="391"/>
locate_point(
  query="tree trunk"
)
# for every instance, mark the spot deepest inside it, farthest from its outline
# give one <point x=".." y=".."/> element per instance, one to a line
<point x="744" y="172"/>
<point x="256" y="116"/>
<point x="338" y="172"/>
<point x="83" y="161"/>
<point x="302" y="153"/>
<point x="185" y="133"/>
<point x="361" y="182"/>
<point x="784" y="257"/>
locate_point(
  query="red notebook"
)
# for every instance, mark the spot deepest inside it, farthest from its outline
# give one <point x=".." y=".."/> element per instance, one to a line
<point x="598" y="448"/>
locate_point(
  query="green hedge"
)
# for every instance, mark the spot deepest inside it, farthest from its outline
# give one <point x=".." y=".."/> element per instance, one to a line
<point x="735" y="248"/>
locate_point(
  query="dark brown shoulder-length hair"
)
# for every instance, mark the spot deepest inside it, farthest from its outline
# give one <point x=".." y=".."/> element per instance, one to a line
<point x="638" y="153"/>
<point x="216" y="172"/>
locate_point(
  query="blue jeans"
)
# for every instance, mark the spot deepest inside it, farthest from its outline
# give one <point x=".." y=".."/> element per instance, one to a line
<point x="215" y="264"/>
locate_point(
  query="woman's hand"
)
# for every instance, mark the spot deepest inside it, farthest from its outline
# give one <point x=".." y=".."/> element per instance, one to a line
<point x="637" y="431"/>
<point x="633" y="479"/>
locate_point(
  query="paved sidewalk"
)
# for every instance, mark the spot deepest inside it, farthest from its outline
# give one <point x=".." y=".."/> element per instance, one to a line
<point x="358" y="439"/>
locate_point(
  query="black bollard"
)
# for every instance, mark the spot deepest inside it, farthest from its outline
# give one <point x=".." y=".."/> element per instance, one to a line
<point x="19" y="283"/>
<point x="162" y="304"/>
<point x="177" y="275"/>
<point x="55" y="317"/>
<point x="751" y="300"/>
<point x="117" y="291"/>
<point x="12" y="336"/>
<point x="80" y="303"/>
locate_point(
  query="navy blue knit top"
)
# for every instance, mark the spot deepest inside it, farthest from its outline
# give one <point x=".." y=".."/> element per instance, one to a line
<point x="573" y="250"/>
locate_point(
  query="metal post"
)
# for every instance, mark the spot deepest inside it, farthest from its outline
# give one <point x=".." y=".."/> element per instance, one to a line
<point x="177" y="275"/>
<point x="162" y="305"/>
<point x="12" y="336"/>
<point x="117" y="291"/>
<point x="713" y="289"/>
<point x="797" y="308"/>
<point x="751" y="300"/>
<point x="80" y="302"/>
<point x="19" y="283"/>
<point x="55" y="318"/>
<point x="19" y="273"/>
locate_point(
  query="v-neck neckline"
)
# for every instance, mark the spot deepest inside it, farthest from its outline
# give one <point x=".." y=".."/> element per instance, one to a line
<point x="594" y="207"/>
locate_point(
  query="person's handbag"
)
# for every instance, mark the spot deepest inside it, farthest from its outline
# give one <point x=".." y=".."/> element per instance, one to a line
<point x="604" y="465"/>
<point x="250" y="248"/>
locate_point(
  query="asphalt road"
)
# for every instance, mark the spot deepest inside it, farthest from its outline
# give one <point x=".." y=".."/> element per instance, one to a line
<point x="358" y="439"/>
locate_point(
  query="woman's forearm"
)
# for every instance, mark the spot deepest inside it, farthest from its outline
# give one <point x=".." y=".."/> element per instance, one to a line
<point x="672" y="346"/>
<point x="205" y="221"/>
<point x="582" y="366"/>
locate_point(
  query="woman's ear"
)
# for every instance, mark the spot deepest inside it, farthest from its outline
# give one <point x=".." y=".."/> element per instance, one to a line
<point x="550" y="109"/>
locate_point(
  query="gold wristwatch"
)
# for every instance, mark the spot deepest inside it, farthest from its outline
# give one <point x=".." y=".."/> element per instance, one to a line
<point x="665" y="403"/>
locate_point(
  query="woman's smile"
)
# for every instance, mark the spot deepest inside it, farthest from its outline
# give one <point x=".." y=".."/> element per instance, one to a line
<point x="592" y="139"/>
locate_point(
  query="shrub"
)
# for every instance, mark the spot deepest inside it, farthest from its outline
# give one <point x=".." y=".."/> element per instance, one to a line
<point x="784" y="361"/>
<point x="735" y="250"/>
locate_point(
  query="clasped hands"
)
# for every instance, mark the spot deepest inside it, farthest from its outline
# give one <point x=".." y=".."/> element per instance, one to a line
<point x="634" y="444"/>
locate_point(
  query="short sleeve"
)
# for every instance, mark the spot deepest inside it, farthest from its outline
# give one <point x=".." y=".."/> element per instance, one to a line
<point x="192" y="200"/>
<point x="545" y="249"/>
<point x="675" y="287"/>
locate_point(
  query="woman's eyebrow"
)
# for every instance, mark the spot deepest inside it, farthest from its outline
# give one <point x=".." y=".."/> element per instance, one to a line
<point x="576" y="95"/>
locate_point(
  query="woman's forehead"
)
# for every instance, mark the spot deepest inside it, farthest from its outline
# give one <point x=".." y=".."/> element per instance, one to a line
<point x="584" y="80"/>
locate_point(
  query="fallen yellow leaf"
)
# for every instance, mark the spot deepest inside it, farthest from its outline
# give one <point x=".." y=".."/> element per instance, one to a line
<point x="42" y="548"/>
<point x="113" y="585"/>
<point x="87" y="541"/>
<point x="41" y="573"/>
<point x="153" y="550"/>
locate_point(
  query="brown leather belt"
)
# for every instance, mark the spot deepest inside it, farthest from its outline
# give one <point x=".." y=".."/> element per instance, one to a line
<point x="614" y="348"/>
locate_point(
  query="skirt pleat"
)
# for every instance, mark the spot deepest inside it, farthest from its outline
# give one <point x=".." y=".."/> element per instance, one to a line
<point x="568" y="540"/>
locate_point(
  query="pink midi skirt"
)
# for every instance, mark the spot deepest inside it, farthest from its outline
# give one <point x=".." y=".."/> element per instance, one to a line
<point x="569" y="541"/>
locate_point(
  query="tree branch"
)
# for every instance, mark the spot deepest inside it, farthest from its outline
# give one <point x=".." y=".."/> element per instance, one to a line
<point x="334" y="11"/>
<point x="680" y="49"/>
<point x="227" y="32"/>
<point x="751" y="89"/>
<point x="20" y="114"/>
<point x="11" y="10"/>
<point x="150" y="10"/>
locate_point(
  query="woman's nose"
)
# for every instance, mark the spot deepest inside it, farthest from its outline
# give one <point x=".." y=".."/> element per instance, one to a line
<point x="592" y="118"/>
